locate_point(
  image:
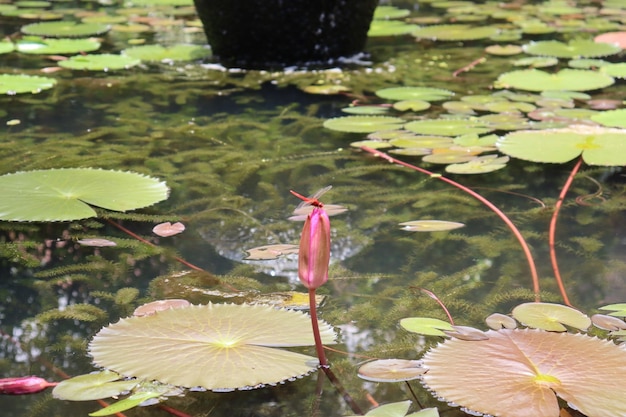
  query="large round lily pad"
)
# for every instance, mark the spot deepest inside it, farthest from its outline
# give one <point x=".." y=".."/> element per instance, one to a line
<point x="577" y="48"/>
<point x="64" y="29"/>
<point x="598" y="145"/>
<point x="566" y="79"/>
<point x="520" y="373"/>
<point x="12" y="84"/>
<point x="65" y="194"/>
<point x="219" y="347"/>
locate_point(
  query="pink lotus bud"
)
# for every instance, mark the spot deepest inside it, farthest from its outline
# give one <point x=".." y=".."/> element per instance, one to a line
<point x="24" y="385"/>
<point x="314" y="253"/>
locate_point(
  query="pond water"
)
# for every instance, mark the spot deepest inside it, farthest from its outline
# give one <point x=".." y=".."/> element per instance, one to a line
<point x="230" y="144"/>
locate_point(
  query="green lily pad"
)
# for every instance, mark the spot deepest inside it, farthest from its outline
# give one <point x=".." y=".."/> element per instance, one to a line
<point x="93" y="386"/>
<point x="430" y="225"/>
<point x="64" y="29"/>
<point x="57" y="46"/>
<point x="425" y="326"/>
<point x="566" y="79"/>
<point x="391" y="370"/>
<point x="171" y="53"/>
<point x="160" y="2"/>
<point x="430" y="142"/>
<point x="411" y="105"/>
<point x="612" y="118"/>
<point x="617" y="310"/>
<point x="614" y="70"/>
<point x="448" y="127"/>
<point x="551" y="317"/>
<point x="219" y="347"/>
<point x="363" y="124"/>
<point x="414" y="93"/>
<point x="390" y="12"/>
<point x="6" y="47"/>
<point x="65" y="194"/>
<point x="587" y="63"/>
<point x="126" y="404"/>
<point x="455" y="32"/>
<point x="536" y="62"/>
<point x="577" y="48"/>
<point x="598" y="145"/>
<point x="101" y="62"/>
<point x="369" y="110"/>
<point x="479" y="165"/>
<point x="17" y="84"/>
<point x="379" y="28"/>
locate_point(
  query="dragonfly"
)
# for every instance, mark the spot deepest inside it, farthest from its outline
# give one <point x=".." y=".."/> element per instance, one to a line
<point x="306" y="206"/>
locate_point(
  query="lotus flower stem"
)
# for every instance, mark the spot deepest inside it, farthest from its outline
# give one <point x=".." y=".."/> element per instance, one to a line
<point x="552" y="230"/>
<point x="489" y="204"/>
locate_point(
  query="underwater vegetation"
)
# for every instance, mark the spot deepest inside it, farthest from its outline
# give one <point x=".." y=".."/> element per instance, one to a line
<point x="136" y="168"/>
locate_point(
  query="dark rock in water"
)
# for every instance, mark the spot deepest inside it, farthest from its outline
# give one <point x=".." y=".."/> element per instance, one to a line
<point x="280" y="33"/>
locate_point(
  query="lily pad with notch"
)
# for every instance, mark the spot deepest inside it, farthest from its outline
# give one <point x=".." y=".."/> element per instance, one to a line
<point x="66" y="194"/>
<point x="598" y="145"/>
<point x="219" y="347"/>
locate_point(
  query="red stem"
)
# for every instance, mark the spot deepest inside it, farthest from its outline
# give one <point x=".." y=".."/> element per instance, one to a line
<point x="500" y="213"/>
<point x="552" y="230"/>
<point x="321" y="355"/>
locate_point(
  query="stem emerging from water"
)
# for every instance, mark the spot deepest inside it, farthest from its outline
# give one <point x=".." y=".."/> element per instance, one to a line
<point x="552" y="230"/>
<point x="492" y="207"/>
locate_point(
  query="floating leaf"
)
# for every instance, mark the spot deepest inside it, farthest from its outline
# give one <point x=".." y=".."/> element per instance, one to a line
<point x="598" y="145"/>
<point x="519" y="373"/>
<point x="267" y="252"/>
<point x="219" y="347"/>
<point x="536" y="62"/>
<point x="448" y="156"/>
<point x="57" y="46"/>
<point x="398" y="409"/>
<point x="552" y="317"/>
<point x="430" y="225"/>
<point x="566" y="79"/>
<point x="466" y="333"/>
<point x="97" y="242"/>
<point x="93" y="386"/>
<point x="170" y="53"/>
<point x="65" y="194"/>
<point x="64" y="29"/>
<point x="448" y="127"/>
<point x="615" y="38"/>
<point x="390" y="12"/>
<point x="154" y="307"/>
<point x="325" y="89"/>
<point x="414" y="93"/>
<point x="412" y="105"/>
<point x="390" y="28"/>
<point x="606" y="322"/>
<point x="615" y="70"/>
<point x="371" y="110"/>
<point x="101" y="62"/>
<point x="425" y="326"/>
<point x="614" y="118"/>
<point x="576" y="48"/>
<point x="618" y="310"/>
<point x="12" y="84"/>
<point x="479" y="165"/>
<point x="126" y="404"/>
<point x="363" y="124"/>
<point x="498" y="321"/>
<point x="503" y="50"/>
<point x="455" y="32"/>
<point x="391" y="370"/>
<point x="6" y="47"/>
<point x="168" y="229"/>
